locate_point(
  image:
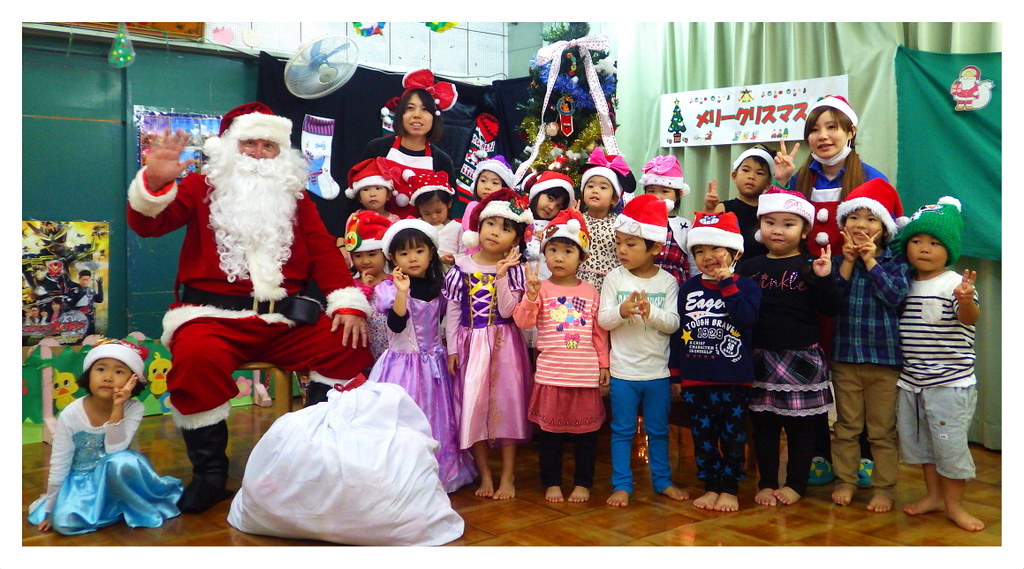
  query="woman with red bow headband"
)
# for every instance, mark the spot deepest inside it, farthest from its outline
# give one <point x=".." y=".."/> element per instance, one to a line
<point x="418" y="126"/>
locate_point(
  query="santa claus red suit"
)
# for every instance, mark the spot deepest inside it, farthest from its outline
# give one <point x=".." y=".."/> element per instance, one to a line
<point x="252" y="244"/>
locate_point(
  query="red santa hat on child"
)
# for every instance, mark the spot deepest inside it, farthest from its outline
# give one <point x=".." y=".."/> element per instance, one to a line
<point x="369" y="172"/>
<point x="499" y="166"/>
<point x="127" y="353"/>
<point x="506" y="203"/>
<point x="568" y="224"/>
<point x="837" y="102"/>
<point x="645" y="216"/>
<point x="881" y="198"/>
<point x="715" y="229"/>
<point x="365" y="231"/>
<point x="612" y="167"/>
<point x="422" y="184"/>
<point x="409" y="223"/>
<point x="251" y="121"/>
<point x="664" y="171"/>
<point x="549" y="180"/>
<point x="777" y="200"/>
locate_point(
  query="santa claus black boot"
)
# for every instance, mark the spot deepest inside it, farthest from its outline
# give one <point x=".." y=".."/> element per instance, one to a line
<point x="206" y="448"/>
<point x="316" y="392"/>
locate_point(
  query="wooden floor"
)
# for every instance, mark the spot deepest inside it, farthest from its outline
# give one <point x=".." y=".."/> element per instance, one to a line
<point x="528" y="520"/>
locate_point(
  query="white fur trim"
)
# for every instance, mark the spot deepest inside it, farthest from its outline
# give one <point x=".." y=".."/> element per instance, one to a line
<point x="372" y="181"/>
<point x="668" y="182"/>
<point x="491" y="165"/>
<point x="348" y="297"/>
<point x="951" y="201"/>
<point x="785" y="203"/>
<point x="821" y="238"/>
<point x="176" y="317"/>
<point x="837" y="104"/>
<point x="713" y="236"/>
<point x="625" y="224"/>
<point x="418" y="224"/>
<point x="755" y="152"/>
<point x="200" y="419"/>
<point x="427" y="189"/>
<point x="606" y="173"/>
<point x="263" y="127"/>
<point x="497" y="208"/>
<point x="146" y="203"/>
<point x="551" y="184"/>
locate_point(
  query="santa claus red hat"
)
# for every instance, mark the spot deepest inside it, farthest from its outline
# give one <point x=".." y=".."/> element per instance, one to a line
<point x="424" y="183"/>
<point x="129" y="354"/>
<point x="715" y="229"/>
<point x="645" y="216"/>
<point x="881" y="198"/>
<point x="549" y="180"/>
<point x="255" y="121"/>
<point x="409" y="223"/>
<point x="837" y="102"/>
<point x="365" y="231"/>
<point x="369" y="172"/>
<point x="568" y="224"/>
<point x="664" y="171"/>
<point x="506" y="203"/>
<point x="499" y="166"/>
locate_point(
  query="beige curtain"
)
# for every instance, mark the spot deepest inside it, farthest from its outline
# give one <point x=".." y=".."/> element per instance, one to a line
<point x="657" y="58"/>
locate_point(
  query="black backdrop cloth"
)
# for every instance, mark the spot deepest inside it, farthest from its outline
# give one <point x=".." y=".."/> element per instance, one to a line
<point x="355" y="108"/>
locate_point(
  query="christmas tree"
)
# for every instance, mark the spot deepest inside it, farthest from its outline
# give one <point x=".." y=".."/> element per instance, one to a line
<point x="676" y="126"/>
<point x="566" y="118"/>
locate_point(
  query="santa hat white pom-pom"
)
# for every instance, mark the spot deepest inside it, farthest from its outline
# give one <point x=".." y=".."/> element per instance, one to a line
<point x="407" y="173"/>
<point x="350" y="193"/>
<point x="470" y="239"/>
<point x="822" y="215"/>
<point x="481" y="154"/>
<point x="402" y="200"/>
<point x="384" y="112"/>
<point x="821" y="238"/>
<point x="757" y="236"/>
<point x="952" y="201"/>
<point x="684" y="189"/>
<point x="573" y="225"/>
<point x="902" y="222"/>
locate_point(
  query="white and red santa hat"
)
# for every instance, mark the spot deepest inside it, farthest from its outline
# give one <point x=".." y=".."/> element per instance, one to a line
<point x="499" y="166"/>
<point x="549" y="180"/>
<point x="881" y="198"/>
<point x="715" y="229"/>
<point x="365" y="231"/>
<point x="129" y="354"/>
<point x="664" y="171"/>
<point x="837" y="102"/>
<point x="506" y="203"/>
<point x="252" y="121"/>
<point x="777" y="200"/>
<point x="369" y="172"/>
<point x="409" y="223"/>
<point x="758" y="152"/>
<point x="568" y="224"/>
<point x="424" y="183"/>
<point x="645" y="216"/>
<point x="612" y="167"/>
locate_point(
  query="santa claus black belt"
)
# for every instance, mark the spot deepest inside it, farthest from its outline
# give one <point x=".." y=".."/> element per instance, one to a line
<point x="299" y="309"/>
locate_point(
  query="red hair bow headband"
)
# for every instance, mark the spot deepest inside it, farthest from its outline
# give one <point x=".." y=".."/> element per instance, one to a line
<point x="617" y="163"/>
<point x="444" y="93"/>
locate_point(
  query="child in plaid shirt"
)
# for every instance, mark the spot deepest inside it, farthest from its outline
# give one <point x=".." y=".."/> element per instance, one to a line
<point x="866" y="356"/>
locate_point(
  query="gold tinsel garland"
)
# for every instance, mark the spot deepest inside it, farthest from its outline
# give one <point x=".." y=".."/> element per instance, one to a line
<point x="588" y="138"/>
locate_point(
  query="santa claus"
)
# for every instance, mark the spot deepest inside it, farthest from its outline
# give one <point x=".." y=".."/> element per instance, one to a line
<point x="252" y="245"/>
<point x="969" y="91"/>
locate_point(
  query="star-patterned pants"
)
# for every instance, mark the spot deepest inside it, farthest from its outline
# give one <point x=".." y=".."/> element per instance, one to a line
<point x="718" y="420"/>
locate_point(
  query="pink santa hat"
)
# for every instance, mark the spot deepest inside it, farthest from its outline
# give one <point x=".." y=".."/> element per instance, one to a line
<point x="645" y="216"/>
<point x="664" y="171"/>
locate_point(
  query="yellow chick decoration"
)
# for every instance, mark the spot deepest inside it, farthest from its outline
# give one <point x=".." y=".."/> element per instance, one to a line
<point x="64" y="388"/>
<point x="157" y="374"/>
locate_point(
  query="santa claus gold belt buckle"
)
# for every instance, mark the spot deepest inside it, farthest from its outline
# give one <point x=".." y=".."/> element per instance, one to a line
<point x="256" y="304"/>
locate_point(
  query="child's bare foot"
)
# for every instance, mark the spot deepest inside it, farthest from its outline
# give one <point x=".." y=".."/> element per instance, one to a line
<point x="765" y="497"/>
<point x="580" y="494"/>
<point x="964" y="519"/>
<point x="787" y="496"/>
<point x="727" y="503"/>
<point x="925" y="505"/>
<point x="619" y="498"/>
<point x="506" y="489"/>
<point x="676" y="493"/>
<point x="880" y="503"/>
<point x="486" y="489"/>
<point x="843" y="493"/>
<point x="707" y="501"/>
<point x="554" y="494"/>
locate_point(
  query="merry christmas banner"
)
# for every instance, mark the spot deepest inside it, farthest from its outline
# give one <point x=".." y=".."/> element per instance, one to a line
<point x="744" y="114"/>
<point x="950" y="116"/>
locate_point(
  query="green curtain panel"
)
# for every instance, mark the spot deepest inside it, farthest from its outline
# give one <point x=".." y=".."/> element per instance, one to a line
<point x="965" y="161"/>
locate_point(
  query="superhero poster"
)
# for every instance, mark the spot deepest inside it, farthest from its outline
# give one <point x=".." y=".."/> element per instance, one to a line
<point x="65" y="272"/>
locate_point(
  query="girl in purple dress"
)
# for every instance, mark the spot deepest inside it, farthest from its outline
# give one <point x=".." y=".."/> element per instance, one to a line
<point x="486" y="350"/>
<point x="415" y="359"/>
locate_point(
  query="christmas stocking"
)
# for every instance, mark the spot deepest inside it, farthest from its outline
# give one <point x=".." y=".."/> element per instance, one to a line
<point x="317" y="133"/>
<point x="481" y="145"/>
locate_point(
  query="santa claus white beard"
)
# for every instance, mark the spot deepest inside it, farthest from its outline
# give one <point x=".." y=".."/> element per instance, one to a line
<point x="252" y="212"/>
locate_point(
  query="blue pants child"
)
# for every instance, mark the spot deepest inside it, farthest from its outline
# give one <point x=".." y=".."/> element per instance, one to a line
<point x="627" y="397"/>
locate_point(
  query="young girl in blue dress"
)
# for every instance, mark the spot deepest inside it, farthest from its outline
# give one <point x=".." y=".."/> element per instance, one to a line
<point x="95" y="480"/>
<point x="415" y="358"/>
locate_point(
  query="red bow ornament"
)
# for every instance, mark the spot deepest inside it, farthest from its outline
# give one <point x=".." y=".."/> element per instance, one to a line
<point x="444" y="93"/>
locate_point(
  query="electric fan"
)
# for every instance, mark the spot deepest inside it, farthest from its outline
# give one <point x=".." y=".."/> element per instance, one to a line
<point x="321" y="66"/>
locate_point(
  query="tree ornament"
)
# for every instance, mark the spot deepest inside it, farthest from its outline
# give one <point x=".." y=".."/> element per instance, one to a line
<point x="122" y="54"/>
<point x="565" y="110"/>
<point x="551" y="129"/>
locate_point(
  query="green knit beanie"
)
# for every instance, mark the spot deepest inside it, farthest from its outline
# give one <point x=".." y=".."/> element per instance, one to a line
<point x="941" y="220"/>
